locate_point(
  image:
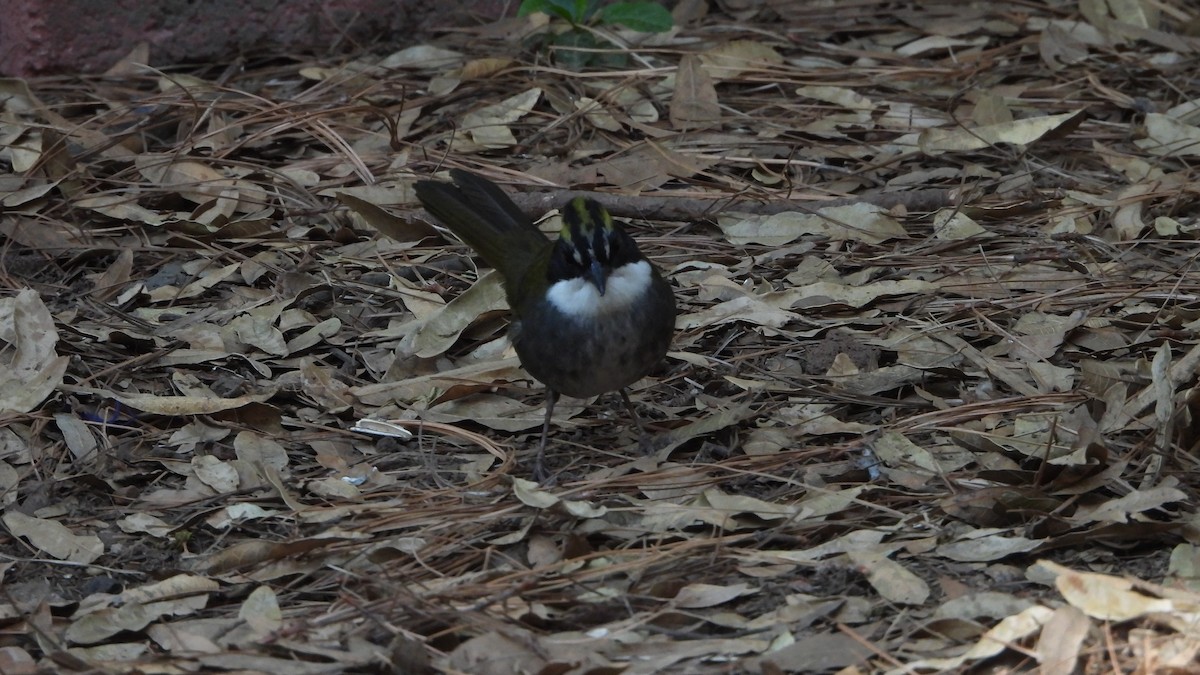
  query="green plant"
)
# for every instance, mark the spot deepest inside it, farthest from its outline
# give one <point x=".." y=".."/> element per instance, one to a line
<point x="648" y="17"/>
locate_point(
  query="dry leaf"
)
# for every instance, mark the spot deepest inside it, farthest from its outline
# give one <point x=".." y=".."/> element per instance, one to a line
<point x="53" y="538"/>
<point x="489" y="126"/>
<point x="1170" y="137"/>
<point x="890" y="579"/>
<point x="860" y="222"/>
<point x="698" y="596"/>
<point x="1019" y="132"/>
<point x="736" y="57"/>
<point x="694" y="104"/>
<point x="32" y="369"/>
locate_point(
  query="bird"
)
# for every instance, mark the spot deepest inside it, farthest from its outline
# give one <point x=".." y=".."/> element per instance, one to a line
<point x="590" y="314"/>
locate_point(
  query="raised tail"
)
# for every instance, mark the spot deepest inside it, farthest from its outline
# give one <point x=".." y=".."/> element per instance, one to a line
<point x="483" y="216"/>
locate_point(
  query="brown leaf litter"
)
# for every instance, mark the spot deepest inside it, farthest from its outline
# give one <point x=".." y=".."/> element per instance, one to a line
<point x="930" y="407"/>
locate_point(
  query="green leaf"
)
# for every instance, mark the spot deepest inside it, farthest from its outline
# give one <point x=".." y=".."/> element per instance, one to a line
<point x="647" y="17"/>
<point x="573" y="46"/>
<point x="530" y="6"/>
<point x="572" y="11"/>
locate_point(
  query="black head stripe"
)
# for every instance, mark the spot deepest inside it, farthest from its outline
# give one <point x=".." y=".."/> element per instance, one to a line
<point x="589" y="234"/>
<point x="596" y="214"/>
<point x="600" y="223"/>
<point x="582" y="238"/>
<point x="600" y="243"/>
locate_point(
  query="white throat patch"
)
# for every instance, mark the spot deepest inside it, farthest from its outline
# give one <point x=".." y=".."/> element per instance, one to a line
<point x="579" y="298"/>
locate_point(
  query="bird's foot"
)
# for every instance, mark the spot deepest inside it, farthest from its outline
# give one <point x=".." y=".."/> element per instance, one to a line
<point x="646" y="443"/>
<point x="542" y="474"/>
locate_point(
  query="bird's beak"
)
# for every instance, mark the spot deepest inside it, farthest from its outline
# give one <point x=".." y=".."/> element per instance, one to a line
<point x="597" y="275"/>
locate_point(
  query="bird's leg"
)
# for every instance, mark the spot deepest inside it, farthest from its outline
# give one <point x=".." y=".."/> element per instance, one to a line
<point x="643" y="437"/>
<point x="539" y="467"/>
<point x="632" y="412"/>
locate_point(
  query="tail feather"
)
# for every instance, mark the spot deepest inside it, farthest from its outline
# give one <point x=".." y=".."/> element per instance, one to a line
<point x="483" y="216"/>
<point x="490" y="198"/>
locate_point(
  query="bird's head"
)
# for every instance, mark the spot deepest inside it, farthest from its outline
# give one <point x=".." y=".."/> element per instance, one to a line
<point x="591" y="245"/>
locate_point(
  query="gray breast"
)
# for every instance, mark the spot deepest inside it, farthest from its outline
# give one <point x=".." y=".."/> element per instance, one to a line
<point x="582" y="358"/>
